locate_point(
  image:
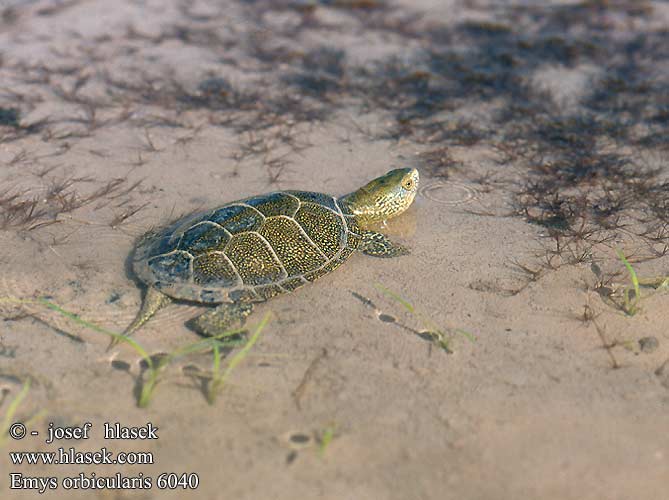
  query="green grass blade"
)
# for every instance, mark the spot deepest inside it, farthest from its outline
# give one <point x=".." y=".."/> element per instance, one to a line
<point x="207" y="344"/>
<point x="326" y="439"/>
<point x="630" y="269"/>
<point x="468" y="335"/>
<point x="218" y="381"/>
<point x="92" y="326"/>
<point x="630" y="306"/>
<point x="11" y="410"/>
<point x="395" y="296"/>
<point x="214" y="383"/>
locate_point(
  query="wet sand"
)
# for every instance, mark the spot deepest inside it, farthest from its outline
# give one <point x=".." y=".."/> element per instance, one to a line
<point x="541" y="154"/>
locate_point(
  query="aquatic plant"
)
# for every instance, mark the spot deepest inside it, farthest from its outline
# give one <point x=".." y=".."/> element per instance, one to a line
<point x="12" y="410"/>
<point x="154" y="365"/>
<point x="429" y="330"/>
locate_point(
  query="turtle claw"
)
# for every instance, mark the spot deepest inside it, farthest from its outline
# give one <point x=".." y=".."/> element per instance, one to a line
<point x="378" y="245"/>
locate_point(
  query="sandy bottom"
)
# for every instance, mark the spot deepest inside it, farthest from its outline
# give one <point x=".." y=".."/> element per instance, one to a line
<point x="547" y="388"/>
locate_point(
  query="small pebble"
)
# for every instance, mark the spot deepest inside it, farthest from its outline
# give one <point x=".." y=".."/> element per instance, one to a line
<point x="190" y="370"/>
<point x="290" y="458"/>
<point x="300" y="438"/>
<point x="120" y="365"/>
<point x="113" y="297"/>
<point x="648" y="344"/>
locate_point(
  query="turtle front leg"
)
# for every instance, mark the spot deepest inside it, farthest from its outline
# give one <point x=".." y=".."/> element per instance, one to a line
<point x="378" y="245"/>
<point x="222" y="318"/>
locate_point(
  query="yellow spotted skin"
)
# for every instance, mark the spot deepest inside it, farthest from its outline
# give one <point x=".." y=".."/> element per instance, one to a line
<point x="323" y="227"/>
<point x="293" y="248"/>
<point x="254" y="260"/>
<point x="254" y="249"/>
<point x="214" y="268"/>
<point x="274" y="204"/>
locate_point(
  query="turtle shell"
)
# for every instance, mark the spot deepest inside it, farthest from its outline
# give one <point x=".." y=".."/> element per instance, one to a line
<point x="250" y="249"/>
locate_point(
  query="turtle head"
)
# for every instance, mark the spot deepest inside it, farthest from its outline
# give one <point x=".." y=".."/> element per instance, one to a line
<point x="384" y="197"/>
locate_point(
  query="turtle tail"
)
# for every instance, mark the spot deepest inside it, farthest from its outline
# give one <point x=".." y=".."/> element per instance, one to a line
<point x="153" y="301"/>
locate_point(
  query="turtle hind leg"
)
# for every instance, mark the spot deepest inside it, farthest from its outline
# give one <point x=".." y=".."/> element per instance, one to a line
<point x="222" y="318"/>
<point x="152" y="302"/>
<point x="378" y="245"/>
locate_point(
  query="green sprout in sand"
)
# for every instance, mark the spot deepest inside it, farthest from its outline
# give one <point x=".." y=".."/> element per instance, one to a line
<point x="155" y="365"/>
<point x="13" y="407"/>
<point x="632" y="293"/>
<point x="325" y="438"/>
<point x="430" y="331"/>
<point x="631" y="305"/>
<point x="219" y="378"/>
